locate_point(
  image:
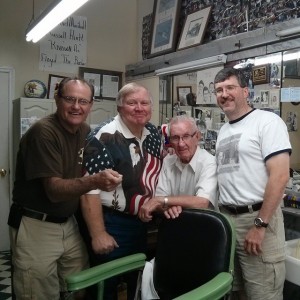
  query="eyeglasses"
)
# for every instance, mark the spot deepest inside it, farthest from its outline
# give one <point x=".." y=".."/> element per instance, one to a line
<point x="175" y="139"/>
<point x="73" y="100"/>
<point x="227" y="88"/>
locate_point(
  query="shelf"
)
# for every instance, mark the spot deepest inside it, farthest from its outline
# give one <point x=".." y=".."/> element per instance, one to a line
<point x="291" y="211"/>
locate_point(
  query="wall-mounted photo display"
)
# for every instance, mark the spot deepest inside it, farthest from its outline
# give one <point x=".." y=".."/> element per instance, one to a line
<point x="261" y="74"/>
<point x="182" y="92"/>
<point x="205" y="86"/>
<point x="264" y="98"/>
<point x="164" y="28"/>
<point x="274" y="98"/>
<point x="106" y="83"/>
<point x="194" y="28"/>
<point x="291" y="121"/>
<point x="53" y="82"/>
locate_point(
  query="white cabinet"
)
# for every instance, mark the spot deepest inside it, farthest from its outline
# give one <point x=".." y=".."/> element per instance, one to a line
<point x="25" y="112"/>
<point x="28" y="110"/>
<point x="101" y="111"/>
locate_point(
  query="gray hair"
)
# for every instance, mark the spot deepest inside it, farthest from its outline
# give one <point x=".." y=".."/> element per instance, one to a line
<point x="183" y="119"/>
<point x="128" y="89"/>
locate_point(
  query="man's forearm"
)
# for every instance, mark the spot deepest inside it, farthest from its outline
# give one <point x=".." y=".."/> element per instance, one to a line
<point x="92" y="213"/>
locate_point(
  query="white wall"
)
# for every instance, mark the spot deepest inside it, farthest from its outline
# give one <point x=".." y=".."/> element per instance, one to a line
<point x="112" y="37"/>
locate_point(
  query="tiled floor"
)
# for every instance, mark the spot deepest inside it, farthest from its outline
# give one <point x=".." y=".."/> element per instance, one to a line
<point x="5" y="276"/>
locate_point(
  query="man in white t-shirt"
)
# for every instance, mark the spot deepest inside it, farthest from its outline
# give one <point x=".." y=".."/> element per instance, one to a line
<point x="253" y="151"/>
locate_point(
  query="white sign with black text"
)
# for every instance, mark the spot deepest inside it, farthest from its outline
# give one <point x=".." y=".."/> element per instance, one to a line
<point x="64" y="48"/>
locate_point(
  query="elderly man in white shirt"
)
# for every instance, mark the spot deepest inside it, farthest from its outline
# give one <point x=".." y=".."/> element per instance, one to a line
<point x="187" y="179"/>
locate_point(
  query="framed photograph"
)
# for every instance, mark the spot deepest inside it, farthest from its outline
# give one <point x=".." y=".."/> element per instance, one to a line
<point x="260" y="74"/>
<point x="164" y="27"/>
<point x="182" y="91"/>
<point x="264" y="98"/>
<point x="194" y="28"/>
<point x="53" y="82"/>
<point x="106" y="83"/>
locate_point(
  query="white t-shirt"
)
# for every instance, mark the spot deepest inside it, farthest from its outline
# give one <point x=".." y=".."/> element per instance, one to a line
<point x="243" y="146"/>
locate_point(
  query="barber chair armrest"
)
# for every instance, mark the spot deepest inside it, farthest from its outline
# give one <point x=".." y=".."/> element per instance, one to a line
<point x="104" y="271"/>
<point x="212" y="290"/>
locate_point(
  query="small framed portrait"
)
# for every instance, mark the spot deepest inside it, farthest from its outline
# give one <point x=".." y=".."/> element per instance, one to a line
<point x="182" y="92"/>
<point x="260" y="74"/>
<point x="53" y="82"/>
<point x="264" y="98"/>
<point x="194" y="28"/>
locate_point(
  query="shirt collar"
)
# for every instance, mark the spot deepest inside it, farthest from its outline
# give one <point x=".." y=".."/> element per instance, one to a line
<point x="126" y="132"/>
<point x="192" y="163"/>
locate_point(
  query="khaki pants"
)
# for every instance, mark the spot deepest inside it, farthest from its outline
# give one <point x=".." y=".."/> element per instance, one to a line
<point x="262" y="277"/>
<point x="43" y="254"/>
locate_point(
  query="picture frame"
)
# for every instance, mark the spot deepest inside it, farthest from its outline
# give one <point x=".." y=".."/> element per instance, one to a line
<point x="53" y="80"/>
<point x="106" y="83"/>
<point x="164" y="26"/>
<point x="260" y="74"/>
<point x="182" y="91"/>
<point x="264" y="98"/>
<point x="194" y="28"/>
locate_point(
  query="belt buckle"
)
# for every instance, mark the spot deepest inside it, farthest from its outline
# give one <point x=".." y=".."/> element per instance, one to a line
<point x="250" y="208"/>
<point x="44" y="217"/>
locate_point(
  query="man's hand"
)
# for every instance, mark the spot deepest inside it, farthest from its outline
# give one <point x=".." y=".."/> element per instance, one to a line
<point x="173" y="212"/>
<point x="146" y="210"/>
<point x="107" y="180"/>
<point x="104" y="243"/>
<point x="253" y="240"/>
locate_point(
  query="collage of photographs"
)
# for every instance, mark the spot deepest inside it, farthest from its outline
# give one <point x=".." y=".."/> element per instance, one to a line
<point x="199" y="100"/>
<point x="172" y="21"/>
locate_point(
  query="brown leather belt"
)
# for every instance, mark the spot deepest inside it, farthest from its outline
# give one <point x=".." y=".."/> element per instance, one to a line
<point x="236" y="210"/>
<point x="43" y="217"/>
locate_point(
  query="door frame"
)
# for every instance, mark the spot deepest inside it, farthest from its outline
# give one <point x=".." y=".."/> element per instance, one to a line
<point x="11" y="97"/>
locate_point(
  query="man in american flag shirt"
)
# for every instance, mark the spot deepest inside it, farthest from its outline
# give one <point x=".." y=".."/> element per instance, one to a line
<point x="130" y="145"/>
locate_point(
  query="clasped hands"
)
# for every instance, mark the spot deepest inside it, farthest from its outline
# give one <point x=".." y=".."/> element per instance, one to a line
<point x="108" y="180"/>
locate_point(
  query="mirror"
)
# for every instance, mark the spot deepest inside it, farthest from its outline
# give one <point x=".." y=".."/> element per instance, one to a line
<point x="291" y="109"/>
<point x="192" y="94"/>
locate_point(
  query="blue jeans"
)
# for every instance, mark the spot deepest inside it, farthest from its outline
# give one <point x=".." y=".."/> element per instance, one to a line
<point x="131" y="235"/>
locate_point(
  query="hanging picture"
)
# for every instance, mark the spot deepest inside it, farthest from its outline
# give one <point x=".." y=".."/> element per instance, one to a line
<point x="194" y="28"/>
<point x="260" y="74"/>
<point x="205" y="86"/>
<point x="164" y="31"/>
<point x="182" y="92"/>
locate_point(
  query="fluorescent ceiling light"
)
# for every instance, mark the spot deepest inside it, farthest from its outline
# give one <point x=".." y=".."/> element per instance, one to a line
<point x="268" y="59"/>
<point x="193" y="65"/>
<point x="54" y="14"/>
<point x="289" y="31"/>
<point x="244" y="64"/>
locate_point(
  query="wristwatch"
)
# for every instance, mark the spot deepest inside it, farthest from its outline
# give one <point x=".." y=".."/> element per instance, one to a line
<point x="165" y="205"/>
<point x="258" y="222"/>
